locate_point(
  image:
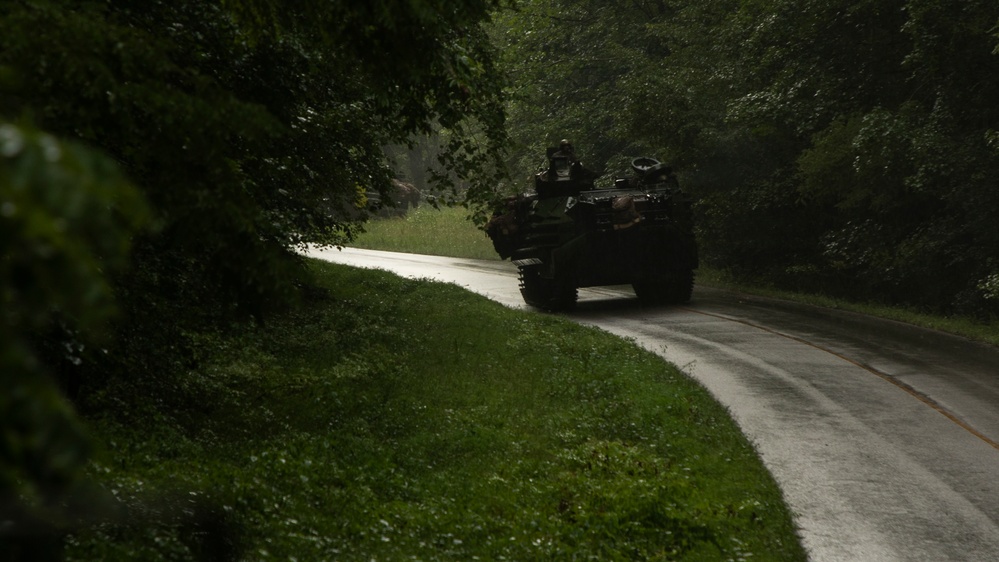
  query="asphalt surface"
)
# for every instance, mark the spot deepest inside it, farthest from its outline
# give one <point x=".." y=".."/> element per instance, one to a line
<point x="883" y="437"/>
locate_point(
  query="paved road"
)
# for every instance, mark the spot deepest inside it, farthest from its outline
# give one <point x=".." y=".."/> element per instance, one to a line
<point x="884" y="438"/>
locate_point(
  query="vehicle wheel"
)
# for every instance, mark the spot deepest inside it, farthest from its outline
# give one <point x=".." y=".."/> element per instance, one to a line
<point x="547" y="294"/>
<point x="680" y="286"/>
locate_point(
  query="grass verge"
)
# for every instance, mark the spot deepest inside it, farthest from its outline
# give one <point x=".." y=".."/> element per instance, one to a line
<point x="396" y="419"/>
<point x="957" y="325"/>
<point x="425" y="230"/>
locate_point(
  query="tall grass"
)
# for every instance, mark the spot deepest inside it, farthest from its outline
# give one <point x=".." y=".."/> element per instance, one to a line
<point x="425" y="230"/>
<point x="394" y="419"/>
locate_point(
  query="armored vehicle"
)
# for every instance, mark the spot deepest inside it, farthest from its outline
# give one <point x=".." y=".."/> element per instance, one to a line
<point x="567" y="233"/>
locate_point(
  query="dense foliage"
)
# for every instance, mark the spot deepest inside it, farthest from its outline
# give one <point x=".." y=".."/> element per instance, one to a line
<point x="166" y="159"/>
<point x="843" y="146"/>
<point x="66" y="214"/>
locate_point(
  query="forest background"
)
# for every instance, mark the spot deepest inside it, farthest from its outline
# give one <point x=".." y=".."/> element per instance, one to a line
<point x="842" y="147"/>
<point x="160" y="162"/>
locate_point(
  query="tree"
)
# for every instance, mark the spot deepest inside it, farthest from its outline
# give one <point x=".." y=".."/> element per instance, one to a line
<point x="844" y="146"/>
<point x="66" y="219"/>
<point x="886" y="105"/>
<point x="253" y="126"/>
<point x="568" y="63"/>
<point x="250" y="128"/>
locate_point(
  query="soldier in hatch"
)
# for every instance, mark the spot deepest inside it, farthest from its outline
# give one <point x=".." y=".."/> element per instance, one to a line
<point x="566" y="149"/>
<point x="563" y="162"/>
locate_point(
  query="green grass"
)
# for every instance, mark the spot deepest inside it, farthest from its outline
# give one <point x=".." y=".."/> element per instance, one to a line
<point x="962" y="326"/>
<point x="395" y="419"/>
<point x="426" y="230"/>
